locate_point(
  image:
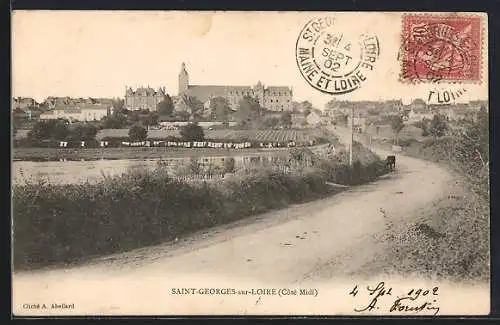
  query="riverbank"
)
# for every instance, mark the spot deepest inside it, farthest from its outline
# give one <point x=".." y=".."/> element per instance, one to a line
<point x="56" y="154"/>
<point x="56" y="224"/>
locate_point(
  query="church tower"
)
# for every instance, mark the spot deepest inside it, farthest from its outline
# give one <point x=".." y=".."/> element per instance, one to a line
<point x="183" y="79"/>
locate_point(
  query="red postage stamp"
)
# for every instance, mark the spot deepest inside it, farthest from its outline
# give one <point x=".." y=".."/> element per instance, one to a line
<point x="441" y="48"/>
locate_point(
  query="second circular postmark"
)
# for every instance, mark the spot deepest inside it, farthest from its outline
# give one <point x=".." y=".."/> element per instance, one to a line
<point x="333" y="61"/>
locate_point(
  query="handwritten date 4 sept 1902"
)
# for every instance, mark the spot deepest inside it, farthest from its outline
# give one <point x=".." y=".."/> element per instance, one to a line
<point x="416" y="300"/>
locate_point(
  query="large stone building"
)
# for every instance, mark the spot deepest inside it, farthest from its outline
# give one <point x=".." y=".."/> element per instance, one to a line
<point x="274" y="98"/>
<point x="143" y="98"/>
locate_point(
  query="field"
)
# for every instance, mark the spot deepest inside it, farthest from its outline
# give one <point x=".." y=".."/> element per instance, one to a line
<point x="298" y="136"/>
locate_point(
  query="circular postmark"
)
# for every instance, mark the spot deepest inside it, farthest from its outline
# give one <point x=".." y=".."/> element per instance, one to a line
<point x="333" y="61"/>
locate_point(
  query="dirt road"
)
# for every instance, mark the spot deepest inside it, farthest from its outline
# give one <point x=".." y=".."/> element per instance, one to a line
<point x="287" y="248"/>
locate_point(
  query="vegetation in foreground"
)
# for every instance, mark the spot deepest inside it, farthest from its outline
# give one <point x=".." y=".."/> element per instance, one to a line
<point x="65" y="223"/>
<point x="452" y="241"/>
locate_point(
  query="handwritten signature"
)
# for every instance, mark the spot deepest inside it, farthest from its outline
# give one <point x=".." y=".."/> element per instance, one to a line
<point x="415" y="300"/>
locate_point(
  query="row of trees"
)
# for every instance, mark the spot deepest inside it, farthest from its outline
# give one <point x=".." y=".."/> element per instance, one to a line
<point x="61" y="130"/>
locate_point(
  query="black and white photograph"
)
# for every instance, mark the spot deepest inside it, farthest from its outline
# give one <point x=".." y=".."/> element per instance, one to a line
<point x="250" y="163"/>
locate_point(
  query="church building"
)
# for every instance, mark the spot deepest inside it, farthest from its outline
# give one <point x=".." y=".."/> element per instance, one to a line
<point x="274" y="98"/>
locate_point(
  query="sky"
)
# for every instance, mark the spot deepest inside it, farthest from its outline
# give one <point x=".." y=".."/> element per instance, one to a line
<point x="98" y="54"/>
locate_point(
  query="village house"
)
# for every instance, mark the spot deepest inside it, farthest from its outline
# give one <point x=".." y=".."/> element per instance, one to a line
<point x="313" y="118"/>
<point x="51" y="102"/>
<point x="456" y="112"/>
<point x="298" y="120"/>
<point x="463" y="113"/>
<point x="78" y="112"/>
<point x="418" y="113"/>
<point x="418" y="104"/>
<point x="23" y="103"/>
<point x="358" y="122"/>
<point x="379" y="131"/>
<point x="391" y="106"/>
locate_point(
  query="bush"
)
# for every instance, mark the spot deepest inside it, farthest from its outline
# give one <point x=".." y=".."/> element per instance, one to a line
<point x="229" y="165"/>
<point x="192" y="132"/>
<point x="137" y="133"/>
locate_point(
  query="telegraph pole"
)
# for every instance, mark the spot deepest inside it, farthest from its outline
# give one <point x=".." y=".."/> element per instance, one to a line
<point x="351" y="140"/>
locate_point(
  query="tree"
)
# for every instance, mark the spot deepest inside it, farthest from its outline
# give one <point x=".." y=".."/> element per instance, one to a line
<point x="117" y="120"/>
<point x="306" y="107"/>
<point x="184" y="116"/>
<point x="134" y="116"/>
<point x="271" y="122"/>
<point x="51" y="129"/>
<point x="424" y="125"/>
<point x="296" y="107"/>
<point x="84" y="132"/>
<point x="286" y="119"/>
<point x="249" y="110"/>
<point x="16" y="124"/>
<point x="153" y="118"/>
<point x="118" y="104"/>
<point x="332" y="104"/>
<point x="438" y="126"/>
<point x="341" y="119"/>
<point x="149" y="119"/>
<point x="397" y="125"/>
<point x="405" y="114"/>
<point x="137" y="133"/>
<point x="220" y="108"/>
<point x="192" y="132"/>
<point x="195" y="105"/>
<point x="166" y="106"/>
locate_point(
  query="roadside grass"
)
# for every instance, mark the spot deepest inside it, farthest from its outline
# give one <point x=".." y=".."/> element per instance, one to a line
<point x="448" y="240"/>
<point x="451" y="238"/>
<point x="62" y="224"/>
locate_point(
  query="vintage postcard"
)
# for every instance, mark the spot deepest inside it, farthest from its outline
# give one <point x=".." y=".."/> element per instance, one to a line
<point x="250" y="163"/>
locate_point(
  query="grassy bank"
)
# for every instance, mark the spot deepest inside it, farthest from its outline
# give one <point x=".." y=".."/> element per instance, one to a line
<point x="451" y="237"/>
<point x="449" y="240"/>
<point x="65" y="223"/>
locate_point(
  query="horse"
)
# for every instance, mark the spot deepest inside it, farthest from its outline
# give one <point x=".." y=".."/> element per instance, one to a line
<point x="391" y="162"/>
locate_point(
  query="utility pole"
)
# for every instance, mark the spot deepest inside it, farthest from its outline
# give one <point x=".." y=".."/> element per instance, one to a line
<point x="351" y="140"/>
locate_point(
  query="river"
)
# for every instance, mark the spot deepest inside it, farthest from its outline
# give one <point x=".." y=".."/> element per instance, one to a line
<point x="72" y="172"/>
